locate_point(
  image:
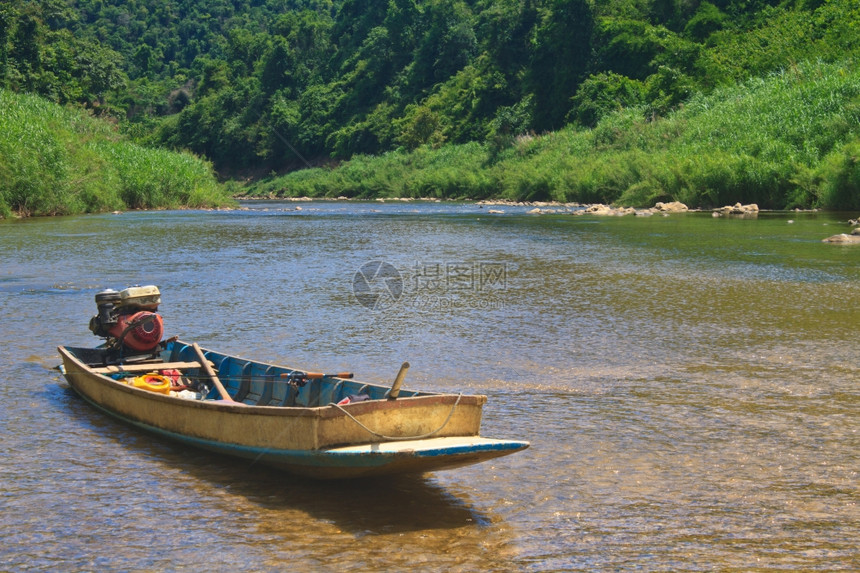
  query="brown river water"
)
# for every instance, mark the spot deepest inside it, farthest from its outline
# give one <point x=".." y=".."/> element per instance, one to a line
<point x="689" y="386"/>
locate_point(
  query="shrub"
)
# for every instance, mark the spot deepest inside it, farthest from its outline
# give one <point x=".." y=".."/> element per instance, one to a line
<point x="840" y="172"/>
<point x="602" y="94"/>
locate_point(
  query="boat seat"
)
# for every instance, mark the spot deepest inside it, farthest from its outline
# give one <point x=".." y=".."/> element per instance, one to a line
<point x="147" y="367"/>
<point x="333" y="394"/>
<point x="235" y="375"/>
<point x="283" y="394"/>
<point x="259" y="385"/>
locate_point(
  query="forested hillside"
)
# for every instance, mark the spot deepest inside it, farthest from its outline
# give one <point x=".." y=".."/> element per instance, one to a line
<point x="260" y="86"/>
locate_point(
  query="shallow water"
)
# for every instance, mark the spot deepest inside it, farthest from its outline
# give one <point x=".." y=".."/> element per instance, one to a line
<point x="688" y="384"/>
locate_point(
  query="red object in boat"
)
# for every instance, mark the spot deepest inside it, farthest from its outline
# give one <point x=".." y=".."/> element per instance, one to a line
<point x="145" y="330"/>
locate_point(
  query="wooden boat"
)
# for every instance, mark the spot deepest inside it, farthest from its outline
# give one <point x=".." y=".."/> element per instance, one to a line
<point x="322" y="426"/>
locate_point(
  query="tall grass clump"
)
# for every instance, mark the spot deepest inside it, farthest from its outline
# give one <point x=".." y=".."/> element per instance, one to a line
<point x="44" y="169"/>
<point x="451" y="172"/>
<point x="56" y="161"/>
<point x="156" y="178"/>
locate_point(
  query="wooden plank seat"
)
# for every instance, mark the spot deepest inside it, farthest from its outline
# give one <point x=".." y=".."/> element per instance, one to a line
<point x="147" y="367"/>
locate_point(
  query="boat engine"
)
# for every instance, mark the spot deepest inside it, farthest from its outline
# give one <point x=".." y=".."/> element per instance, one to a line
<point x="128" y="319"/>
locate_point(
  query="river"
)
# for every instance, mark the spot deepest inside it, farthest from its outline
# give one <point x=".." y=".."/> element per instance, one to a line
<point x="689" y="386"/>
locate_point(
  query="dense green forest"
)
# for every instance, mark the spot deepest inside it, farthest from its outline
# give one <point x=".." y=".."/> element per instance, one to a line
<point x="582" y="100"/>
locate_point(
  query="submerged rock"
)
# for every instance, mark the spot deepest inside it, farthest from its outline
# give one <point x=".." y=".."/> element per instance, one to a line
<point x="843" y="239"/>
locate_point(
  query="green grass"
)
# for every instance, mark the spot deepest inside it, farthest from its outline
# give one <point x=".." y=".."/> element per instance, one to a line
<point x="56" y="161"/>
<point x="788" y="140"/>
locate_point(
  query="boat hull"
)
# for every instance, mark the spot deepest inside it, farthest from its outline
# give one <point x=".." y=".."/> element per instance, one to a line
<point x="413" y="434"/>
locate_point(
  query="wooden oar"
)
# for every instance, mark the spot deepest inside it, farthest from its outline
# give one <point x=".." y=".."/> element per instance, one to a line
<point x="212" y="376"/>
<point x="398" y="382"/>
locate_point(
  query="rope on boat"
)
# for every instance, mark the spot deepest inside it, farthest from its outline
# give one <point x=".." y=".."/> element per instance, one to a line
<point x="402" y="438"/>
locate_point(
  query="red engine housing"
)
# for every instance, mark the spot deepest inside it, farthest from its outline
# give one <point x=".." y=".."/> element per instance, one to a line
<point x="143" y="337"/>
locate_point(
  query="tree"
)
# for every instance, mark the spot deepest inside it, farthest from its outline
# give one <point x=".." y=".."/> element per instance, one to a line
<point x="144" y="59"/>
<point x="25" y="51"/>
<point x="7" y="19"/>
<point x="560" y="60"/>
<point x="447" y="46"/>
<point x="99" y="70"/>
<point x="602" y="94"/>
<point x="276" y="67"/>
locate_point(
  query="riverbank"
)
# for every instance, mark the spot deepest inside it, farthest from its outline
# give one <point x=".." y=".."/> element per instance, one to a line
<point x="741" y="144"/>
